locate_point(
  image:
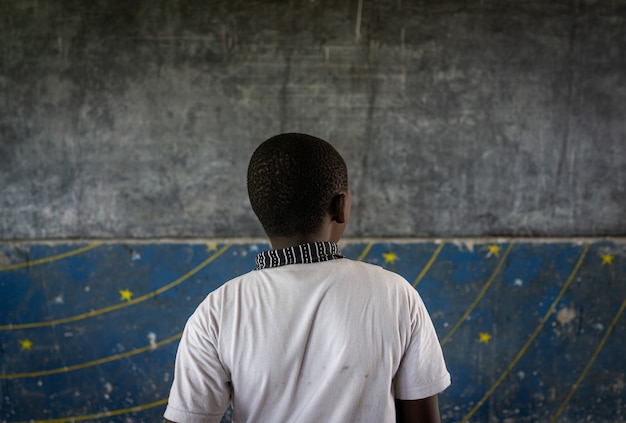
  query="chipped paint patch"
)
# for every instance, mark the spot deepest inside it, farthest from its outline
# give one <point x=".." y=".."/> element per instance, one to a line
<point x="566" y="315"/>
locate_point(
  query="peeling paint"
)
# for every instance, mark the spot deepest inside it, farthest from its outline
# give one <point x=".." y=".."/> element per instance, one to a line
<point x="566" y="315"/>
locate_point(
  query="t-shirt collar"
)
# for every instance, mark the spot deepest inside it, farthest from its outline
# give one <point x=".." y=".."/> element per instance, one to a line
<point x="311" y="252"/>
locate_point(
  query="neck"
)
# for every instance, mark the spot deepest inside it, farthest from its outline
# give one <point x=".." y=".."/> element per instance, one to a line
<point x="286" y="242"/>
<point x="331" y="230"/>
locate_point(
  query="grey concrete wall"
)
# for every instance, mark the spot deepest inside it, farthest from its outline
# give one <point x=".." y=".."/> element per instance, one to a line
<point x="457" y="118"/>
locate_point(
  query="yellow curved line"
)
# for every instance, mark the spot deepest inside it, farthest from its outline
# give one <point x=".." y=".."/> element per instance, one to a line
<point x="91" y="363"/>
<point x="591" y="360"/>
<point x="49" y="259"/>
<point x="365" y="251"/>
<point x="430" y="263"/>
<point x="101" y="414"/>
<point x="120" y="305"/>
<point x="531" y="339"/>
<point x="479" y="297"/>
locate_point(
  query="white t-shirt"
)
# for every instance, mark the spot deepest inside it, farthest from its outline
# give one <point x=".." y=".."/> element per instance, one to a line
<point x="333" y="341"/>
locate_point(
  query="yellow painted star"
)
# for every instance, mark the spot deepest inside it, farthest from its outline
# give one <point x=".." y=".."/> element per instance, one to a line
<point x="211" y="247"/>
<point x="125" y="295"/>
<point x="494" y="250"/>
<point x="607" y="259"/>
<point x="484" y="337"/>
<point x="26" y="344"/>
<point x="390" y="258"/>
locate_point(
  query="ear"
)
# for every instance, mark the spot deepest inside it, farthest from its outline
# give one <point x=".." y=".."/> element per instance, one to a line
<point x="338" y="208"/>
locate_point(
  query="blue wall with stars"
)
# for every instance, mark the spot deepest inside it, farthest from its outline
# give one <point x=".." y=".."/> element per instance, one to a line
<point x="531" y="331"/>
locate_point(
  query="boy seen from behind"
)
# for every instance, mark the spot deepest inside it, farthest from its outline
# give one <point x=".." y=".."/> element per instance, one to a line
<point x="308" y="335"/>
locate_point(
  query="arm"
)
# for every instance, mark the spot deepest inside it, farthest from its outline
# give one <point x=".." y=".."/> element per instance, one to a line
<point x="201" y="388"/>
<point x="413" y="411"/>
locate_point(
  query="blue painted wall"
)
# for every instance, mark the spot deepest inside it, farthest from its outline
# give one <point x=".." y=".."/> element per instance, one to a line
<point x="532" y="331"/>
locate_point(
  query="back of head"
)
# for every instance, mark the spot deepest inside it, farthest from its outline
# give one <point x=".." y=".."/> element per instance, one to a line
<point x="292" y="179"/>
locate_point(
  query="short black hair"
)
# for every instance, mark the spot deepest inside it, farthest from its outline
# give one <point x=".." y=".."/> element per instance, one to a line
<point x="292" y="180"/>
